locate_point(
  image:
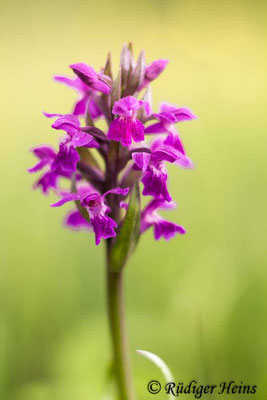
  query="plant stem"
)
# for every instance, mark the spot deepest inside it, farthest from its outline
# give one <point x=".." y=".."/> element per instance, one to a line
<point x="118" y="333"/>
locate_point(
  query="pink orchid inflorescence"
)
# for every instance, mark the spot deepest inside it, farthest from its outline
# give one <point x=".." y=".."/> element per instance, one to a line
<point x="135" y="148"/>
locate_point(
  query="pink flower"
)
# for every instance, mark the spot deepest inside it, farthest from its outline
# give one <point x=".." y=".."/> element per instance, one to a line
<point x="153" y="164"/>
<point x="162" y="227"/>
<point x="96" y="208"/>
<point x="168" y="116"/>
<point x="68" y="156"/>
<point x="49" y="179"/>
<point x="127" y="127"/>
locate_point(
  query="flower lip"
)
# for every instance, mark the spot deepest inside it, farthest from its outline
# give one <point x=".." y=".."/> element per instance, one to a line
<point x="124" y="129"/>
<point x="127" y="127"/>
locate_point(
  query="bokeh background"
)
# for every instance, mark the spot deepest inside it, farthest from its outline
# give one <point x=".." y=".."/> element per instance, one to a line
<point x="198" y="301"/>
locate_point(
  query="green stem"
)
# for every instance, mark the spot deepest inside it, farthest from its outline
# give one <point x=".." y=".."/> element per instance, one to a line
<point x="118" y="332"/>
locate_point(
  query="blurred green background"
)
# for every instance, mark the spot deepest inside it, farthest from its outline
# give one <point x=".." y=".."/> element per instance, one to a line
<point x="198" y="301"/>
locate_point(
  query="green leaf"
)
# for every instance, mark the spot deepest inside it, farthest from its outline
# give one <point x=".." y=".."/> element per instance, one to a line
<point x="129" y="233"/>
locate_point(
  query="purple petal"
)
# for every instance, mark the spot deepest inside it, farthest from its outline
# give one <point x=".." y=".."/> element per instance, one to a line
<point x="80" y="106"/>
<point x="85" y="72"/>
<point x="155" y="128"/>
<point x="147" y="106"/>
<point x="49" y="115"/>
<point x="93" y="144"/>
<point x="47" y="181"/>
<point x="81" y="139"/>
<point x="76" y="221"/>
<point x="46" y="155"/>
<point x="184" y="162"/>
<point x="75" y="83"/>
<point x="167" y="229"/>
<point x="165" y="153"/>
<point x="179" y="113"/>
<point x="155" y="69"/>
<point x="44" y="152"/>
<point x="124" y="129"/>
<point x="158" y="204"/>
<point x="141" y="159"/>
<point x="101" y="86"/>
<point x="184" y="114"/>
<point x="66" y="199"/>
<point x="174" y="140"/>
<point x="171" y="155"/>
<point x="170" y="149"/>
<point x="116" y="190"/>
<point x="103" y="227"/>
<point x="93" y="108"/>
<point x="40" y="165"/>
<point x="157" y="143"/>
<point x="155" y="183"/>
<point x="69" y="123"/>
<point x="166" y="107"/>
<point x="88" y="75"/>
<point x="166" y="117"/>
<point x="84" y="189"/>
<point x="137" y="131"/>
<point x="66" y="159"/>
<point x="126" y="106"/>
<point x="162" y="228"/>
<point x="115" y="132"/>
<point x="93" y="201"/>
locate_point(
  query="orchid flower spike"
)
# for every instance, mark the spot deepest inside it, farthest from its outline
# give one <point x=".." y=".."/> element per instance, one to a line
<point x="136" y="148"/>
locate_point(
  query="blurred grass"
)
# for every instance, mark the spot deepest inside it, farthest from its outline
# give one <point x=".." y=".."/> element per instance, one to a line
<point x="201" y="301"/>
